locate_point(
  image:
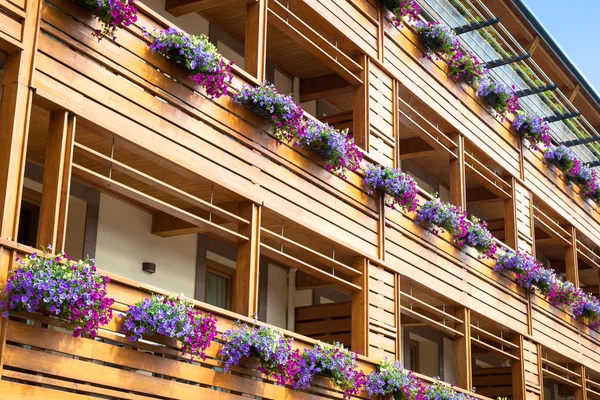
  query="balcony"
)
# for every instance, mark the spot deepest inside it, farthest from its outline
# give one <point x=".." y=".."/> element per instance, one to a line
<point x="197" y="185"/>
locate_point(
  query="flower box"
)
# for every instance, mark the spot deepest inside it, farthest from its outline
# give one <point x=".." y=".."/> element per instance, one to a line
<point x="171" y="318"/>
<point x="197" y="55"/>
<point x="111" y="14"/>
<point x="71" y="291"/>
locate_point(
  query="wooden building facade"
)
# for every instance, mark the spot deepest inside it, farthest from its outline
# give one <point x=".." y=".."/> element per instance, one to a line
<point x="108" y="150"/>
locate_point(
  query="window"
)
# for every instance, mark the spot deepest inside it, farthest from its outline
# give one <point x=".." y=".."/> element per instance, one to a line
<point x="218" y="284"/>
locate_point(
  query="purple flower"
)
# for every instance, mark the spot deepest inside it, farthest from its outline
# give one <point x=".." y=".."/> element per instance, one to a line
<point x="285" y="115"/>
<point x="533" y="128"/>
<point x="272" y="348"/>
<point x="337" y="147"/>
<point x="400" y="186"/>
<point x="73" y="291"/>
<point x="499" y="96"/>
<point x="335" y="362"/>
<point x="438" y="38"/>
<point x="564" y="158"/>
<point x="198" y="55"/>
<point x="172" y="317"/>
<point x="465" y="67"/>
<point x="111" y="14"/>
<point x="392" y="379"/>
<point x="454" y="220"/>
<point x="402" y="9"/>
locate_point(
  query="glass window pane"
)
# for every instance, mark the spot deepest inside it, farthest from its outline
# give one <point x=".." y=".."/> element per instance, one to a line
<point x="217" y="290"/>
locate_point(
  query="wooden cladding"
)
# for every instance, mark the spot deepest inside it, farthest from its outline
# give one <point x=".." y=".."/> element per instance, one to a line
<point x="325" y="322"/>
<point x="383" y="319"/>
<point x="43" y="360"/>
<point x="146" y="105"/>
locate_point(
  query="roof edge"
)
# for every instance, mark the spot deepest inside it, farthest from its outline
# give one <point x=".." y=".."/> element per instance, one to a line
<point x="554" y="46"/>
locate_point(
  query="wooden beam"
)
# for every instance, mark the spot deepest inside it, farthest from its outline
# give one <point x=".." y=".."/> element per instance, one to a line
<point x="293" y="262"/>
<point x="464" y="376"/>
<point x="57" y="181"/>
<point x="255" y="50"/>
<point x="458" y="186"/>
<point x="304" y="35"/>
<point x="360" y="117"/>
<point x="511" y="233"/>
<point x="323" y="86"/>
<point x="580" y="393"/>
<point x="245" y="297"/>
<point x="118" y="189"/>
<point x="182" y="7"/>
<point x="574" y="93"/>
<point x="571" y="267"/>
<point x="416" y="148"/>
<point x="15" y="113"/>
<point x="534" y="45"/>
<point x="360" y="304"/>
<point x="518" y="369"/>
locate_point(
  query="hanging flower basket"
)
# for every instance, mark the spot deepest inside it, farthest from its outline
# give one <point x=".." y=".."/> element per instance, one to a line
<point x="72" y="291"/>
<point x="273" y="351"/>
<point x="197" y="55"/>
<point x="173" y="318"/>
<point x="111" y="14"/>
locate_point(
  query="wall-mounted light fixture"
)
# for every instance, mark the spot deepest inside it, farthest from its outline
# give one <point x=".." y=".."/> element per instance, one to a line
<point x="149" y="267"/>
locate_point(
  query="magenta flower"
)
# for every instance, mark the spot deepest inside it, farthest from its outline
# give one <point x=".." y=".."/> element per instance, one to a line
<point x="111" y="14"/>
<point x="71" y="291"/>
<point x="285" y="115"/>
<point x="533" y="128"/>
<point x="465" y="67"/>
<point x="198" y="55"/>
<point x="499" y="96"/>
<point x="174" y="318"/>
<point x="334" y="362"/>
<point x="438" y="38"/>
<point x="400" y="186"/>
<point x="401" y="9"/>
<point x="272" y="348"/>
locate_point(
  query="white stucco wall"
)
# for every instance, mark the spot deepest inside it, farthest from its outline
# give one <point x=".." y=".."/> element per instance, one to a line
<point x="191" y="23"/>
<point x="125" y="241"/>
<point x="277" y="296"/>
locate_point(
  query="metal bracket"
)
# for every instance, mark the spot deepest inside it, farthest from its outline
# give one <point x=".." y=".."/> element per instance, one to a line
<point x="562" y="117"/>
<point x="504" y="61"/>
<point x="459" y="30"/>
<point x="541" y="89"/>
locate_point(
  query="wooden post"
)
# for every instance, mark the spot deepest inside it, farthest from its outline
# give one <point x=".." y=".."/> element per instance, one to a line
<point x="580" y="393"/>
<point x="360" y="115"/>
<point x="571" y="267"/>
<point x="458" y="190"/>
<point x="511" y="235"/>
<point x="518" y="369"/>
<point x="57" y="181"/>
<point x="360" y="303"/>
<point x="15" y="112"/>
<point x="464" y="376"/>
<point x="255" y="52"/>
<point x="245" y="297"/>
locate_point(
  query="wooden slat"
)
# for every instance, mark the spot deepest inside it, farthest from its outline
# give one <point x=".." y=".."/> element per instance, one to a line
<point x="493" y="337"/>
<point x="304" y="35"/>
<point x="293" y="262"/>
<point x="431" y="322"/>
<point x="98" y="180"/>
<point x="326" y="261"/>
<point x="561" y="379"/>
<point x="431" y="308"/>
<point x="493" y="349"/>
<point x="182" y="7"/>
<point x="151" y="181"/>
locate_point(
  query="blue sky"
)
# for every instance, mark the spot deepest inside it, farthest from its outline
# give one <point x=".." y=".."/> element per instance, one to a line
<point x="574" y="26"/>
